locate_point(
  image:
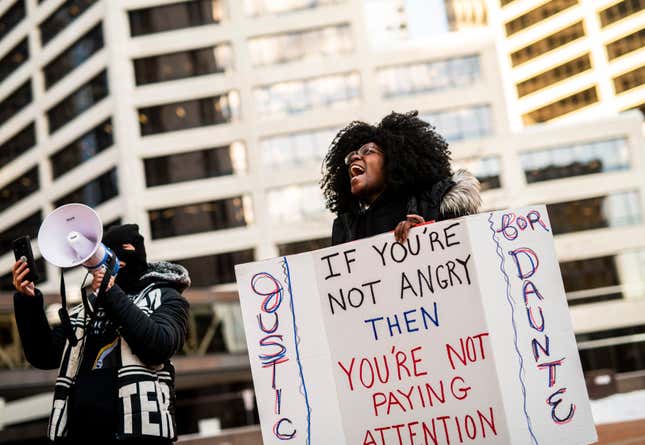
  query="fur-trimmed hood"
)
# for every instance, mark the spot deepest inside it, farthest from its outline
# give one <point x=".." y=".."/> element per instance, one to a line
<point x="169" y="272"/>
<point x="463" y="198"/>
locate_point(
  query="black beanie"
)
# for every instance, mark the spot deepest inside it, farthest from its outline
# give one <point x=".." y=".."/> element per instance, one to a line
<point x="135" y="260"/>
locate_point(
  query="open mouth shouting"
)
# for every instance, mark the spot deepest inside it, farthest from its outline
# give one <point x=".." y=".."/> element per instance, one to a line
<point x="356" y="170"/>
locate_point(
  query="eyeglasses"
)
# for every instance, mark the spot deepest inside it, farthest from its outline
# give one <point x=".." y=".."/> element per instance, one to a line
<point x="367" y="149"/>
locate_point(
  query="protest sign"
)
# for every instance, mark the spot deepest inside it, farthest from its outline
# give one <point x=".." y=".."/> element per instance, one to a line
<point x="459" y="335"/>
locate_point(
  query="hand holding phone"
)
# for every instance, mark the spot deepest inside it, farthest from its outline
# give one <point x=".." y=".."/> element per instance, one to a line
<point x="24" y="270"/>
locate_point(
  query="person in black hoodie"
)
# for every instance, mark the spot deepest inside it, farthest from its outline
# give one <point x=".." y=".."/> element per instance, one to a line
<point x="116" y="381"/>
<point x="392" y="176"/>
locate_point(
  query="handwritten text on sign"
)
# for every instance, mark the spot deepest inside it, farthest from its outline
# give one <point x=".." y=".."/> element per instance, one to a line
<point x="457" y="335"/>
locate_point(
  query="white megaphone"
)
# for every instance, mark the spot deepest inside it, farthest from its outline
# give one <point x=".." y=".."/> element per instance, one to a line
<point x="71" y="236"/>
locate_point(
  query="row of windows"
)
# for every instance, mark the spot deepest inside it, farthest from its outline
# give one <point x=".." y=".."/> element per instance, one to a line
<point x="296" y="203"/>
<point x="265" y="7"/>
<point x="62" y="17"/>
<point x="630" y="80"/>
<point x="200" y="217"/>
<point x="175" y="16"/>
<point x="292" y="97"/>
<point x="15" y="102"/>
<point x="11" y="17"/>
<point x="74" y="56"/>
<point x="184" y="64"/>
<point x="462" y="123"/>
<point x="613" y="210"/>
<point x="301" y="45"/>
<point x="194" y="165"/>
<point x="580" y="159"/>
<point x="430" y="76"/>
<point x="296" y="149"/>
<point x="626" y="45"/>
<point x="549" y="43"/>
<point x="620" y="10"/>
<point x="189" y="114"/>
<point x="82" y="149"/>
<point x="6" y="280"/>
<point x="487" y="170"/>
<point x="605" y="278"/>
<point x="561" y="107"/>
<point x="14" y="59"/>
<point x="537" y="15"/>
<point x="19" y="188"/>
<point x="18" y="144"/>
<point x="95" y="192"/>
<point x="554" y="75"/>
<point x="88" y="95"/>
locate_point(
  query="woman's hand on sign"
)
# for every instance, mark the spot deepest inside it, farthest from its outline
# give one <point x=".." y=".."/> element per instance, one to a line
<point x="98" y="278"/>
<point x="403" y="228"/>
<point x="19" y="272"/>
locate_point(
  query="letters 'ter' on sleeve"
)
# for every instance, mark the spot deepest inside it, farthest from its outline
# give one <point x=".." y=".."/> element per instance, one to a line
<point x="459" y="335"/>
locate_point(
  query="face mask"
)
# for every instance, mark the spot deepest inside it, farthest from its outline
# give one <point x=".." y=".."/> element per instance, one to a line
<point x="129" y="276"/>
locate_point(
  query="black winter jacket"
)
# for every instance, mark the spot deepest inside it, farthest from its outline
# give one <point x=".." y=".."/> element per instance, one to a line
<point x="132" y="346"/>
<point x="450" y="198"/>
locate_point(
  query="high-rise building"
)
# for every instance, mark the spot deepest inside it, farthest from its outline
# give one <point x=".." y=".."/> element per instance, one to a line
<point x="570" y="58"/>
<point x="206" y="121"/>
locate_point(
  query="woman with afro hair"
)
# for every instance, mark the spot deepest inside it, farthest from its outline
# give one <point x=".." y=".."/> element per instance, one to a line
<point x="393" y="176"/>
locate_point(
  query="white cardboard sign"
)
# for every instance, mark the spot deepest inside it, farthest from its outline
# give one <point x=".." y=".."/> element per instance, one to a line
<point x="460" y="335"/>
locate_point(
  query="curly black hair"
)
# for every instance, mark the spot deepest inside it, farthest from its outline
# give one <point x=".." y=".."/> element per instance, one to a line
<point x="416" y="157"/>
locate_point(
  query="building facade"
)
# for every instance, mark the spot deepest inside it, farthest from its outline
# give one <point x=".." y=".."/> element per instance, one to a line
<point x="206" y="121"/>
<point x="570" y="59"/>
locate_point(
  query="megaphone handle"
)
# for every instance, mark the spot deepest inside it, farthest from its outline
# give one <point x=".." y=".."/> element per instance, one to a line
<point x="109" y="266"/>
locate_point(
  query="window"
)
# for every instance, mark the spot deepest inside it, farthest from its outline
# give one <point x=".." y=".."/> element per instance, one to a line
<point x="193" y="165"/>
<point x="200" y="217"/>
<point x="217" y="269"/>
<point x="95" y="192"/>
<point x="430" y="76"/>
<point x="15" y="102"/>
<point x="605" y="278"/>
<point x="264" y="7"/>
<point x="177" y="116"/>
<point x="79" y="101"/>
<point x="506" y="2"/>
<point x="295" y="247"/>
<point x="27" y="227"/>
<point x="296" y="203"/>
<point x="461" y="123"/>
<point x="301" y="45"/>
<point x="17" y="144"/>
<point x="184" y="64"/>
<point x="82" y="149"/>
<point x="293" y="97"/>
<point x="61" y="18"/>
<point x="561" y="107"/>
<point x="175" y="16"/>
<point x="74" y="56"/>
<point x="6" y="280"/>
<point x="487" y="170"/>
<point x="296" y="149"/>
<point x="620" y="10"/>
<point x="12" y="16"/>
<point x="621" y="350"/>
<point x="575" y="160"/>
<point x="537" y="15"/>
<point x="549" y="43"/>
<point x="614" y="210"/>
<point x="14" y="59"/>
<point x="640" y="107"/>
<point x="626" y="45"/>
<point x="554" y="75"/>
<point x="630" y="80"/>
<point x="19" y="188"/>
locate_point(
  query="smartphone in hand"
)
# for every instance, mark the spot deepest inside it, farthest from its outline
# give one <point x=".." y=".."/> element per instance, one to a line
<point x="22" y="248"/>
